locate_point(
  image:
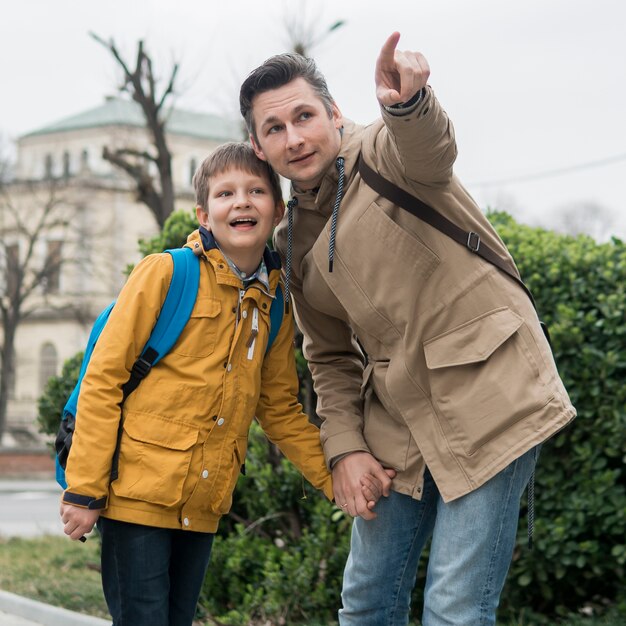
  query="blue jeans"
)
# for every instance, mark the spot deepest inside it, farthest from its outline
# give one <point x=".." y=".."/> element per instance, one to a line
<point x="472" y="545"/>
<point x="152" y="576"/>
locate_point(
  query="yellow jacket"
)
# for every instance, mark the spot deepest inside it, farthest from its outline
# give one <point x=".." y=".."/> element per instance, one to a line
<point x="185" y="428"/>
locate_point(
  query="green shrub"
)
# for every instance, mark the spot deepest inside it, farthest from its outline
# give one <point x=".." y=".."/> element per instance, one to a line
<point x="580" y="530"/>
<point x="57" y="391"/>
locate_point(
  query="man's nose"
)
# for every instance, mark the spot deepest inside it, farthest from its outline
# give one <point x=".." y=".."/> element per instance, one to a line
<point x="294" y="138"/>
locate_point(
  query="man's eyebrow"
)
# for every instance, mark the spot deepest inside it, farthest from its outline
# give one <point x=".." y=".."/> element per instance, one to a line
<point x="273" y="119"/>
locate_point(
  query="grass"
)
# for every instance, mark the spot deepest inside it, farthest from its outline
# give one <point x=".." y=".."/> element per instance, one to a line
<point x="54" y="570"/>
<point x="66" y="573"/>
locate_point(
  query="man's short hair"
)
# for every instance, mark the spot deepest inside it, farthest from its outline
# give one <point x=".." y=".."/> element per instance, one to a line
<point x="276" y="72"/>
<point x="233" y="155"/>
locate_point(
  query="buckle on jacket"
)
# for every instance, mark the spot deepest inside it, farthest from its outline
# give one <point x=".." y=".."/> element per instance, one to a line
<point x="473" y="241"/>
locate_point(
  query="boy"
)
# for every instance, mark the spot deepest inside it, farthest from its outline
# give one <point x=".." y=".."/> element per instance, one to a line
<point x="185" y="428"/>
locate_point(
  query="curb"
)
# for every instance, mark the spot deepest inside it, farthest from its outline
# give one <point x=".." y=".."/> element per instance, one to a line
<point x="45" y="614"/>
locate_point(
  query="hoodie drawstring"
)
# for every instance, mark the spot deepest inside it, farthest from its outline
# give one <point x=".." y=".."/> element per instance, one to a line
<point x="339" y="163"/>
<point x="531" y="510"/>
<point x="290" y="205"/>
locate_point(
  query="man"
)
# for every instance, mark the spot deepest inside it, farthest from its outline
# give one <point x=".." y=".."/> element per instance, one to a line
<point x="458" y="387"/>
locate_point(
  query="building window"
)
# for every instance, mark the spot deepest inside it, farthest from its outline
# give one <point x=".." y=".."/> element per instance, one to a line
<point x="193" y="164"/>
<point x="49" y="165"/>
<point x="66" y="164"/>
<point x="52" y="277"/>
<point x="47" y="364"/>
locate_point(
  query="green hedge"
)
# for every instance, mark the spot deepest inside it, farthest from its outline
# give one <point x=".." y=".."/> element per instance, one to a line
<point x="279" y="557"/>
<point x="580" y="539"/>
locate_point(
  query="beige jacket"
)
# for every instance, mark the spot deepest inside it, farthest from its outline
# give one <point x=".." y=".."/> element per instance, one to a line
<point x="458" y="374"/>
<point x="185" y="428"/>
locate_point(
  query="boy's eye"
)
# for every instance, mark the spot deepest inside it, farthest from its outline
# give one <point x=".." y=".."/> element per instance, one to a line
<point x="223" y="194"/>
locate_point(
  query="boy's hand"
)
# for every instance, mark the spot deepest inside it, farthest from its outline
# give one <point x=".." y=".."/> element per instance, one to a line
<point x="372" y="488"/>
<point x="399" y="74"/>
<point x="77" y="521"/>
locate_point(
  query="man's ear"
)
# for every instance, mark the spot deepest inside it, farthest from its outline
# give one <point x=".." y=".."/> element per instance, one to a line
<point x="279" y="211"/>
<point x="337" y="116"/>
<point x="203" y="217"/>
<point x="257" y="148"/>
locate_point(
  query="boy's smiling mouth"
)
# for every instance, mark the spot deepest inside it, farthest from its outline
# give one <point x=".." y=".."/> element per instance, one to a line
<point x="243" y="223"/>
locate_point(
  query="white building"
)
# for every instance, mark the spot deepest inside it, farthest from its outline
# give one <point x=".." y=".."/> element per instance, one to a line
<point x="104" y="223"/>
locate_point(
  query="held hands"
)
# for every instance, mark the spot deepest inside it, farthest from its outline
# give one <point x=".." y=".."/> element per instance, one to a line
<point x="399" y="74"/>
<point x="359" y="480"/>
<point x="77" y="522"/>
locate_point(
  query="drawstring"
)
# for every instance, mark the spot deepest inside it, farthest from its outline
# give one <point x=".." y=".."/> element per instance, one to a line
<point x="290" y="205"/>
<point x="339" y="163"/>
<point x="531" y="510"/>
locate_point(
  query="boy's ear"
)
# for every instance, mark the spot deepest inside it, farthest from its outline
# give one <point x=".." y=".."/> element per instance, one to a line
<point x="203" y="217"/>
<point x="257" y="148"/>
<point x="279" y="211"/>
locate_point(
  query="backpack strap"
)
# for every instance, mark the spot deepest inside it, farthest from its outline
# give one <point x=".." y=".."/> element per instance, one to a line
<point x="175" y="312"/>
<point x="174" y="315"/>
<point x="277" y="312"/>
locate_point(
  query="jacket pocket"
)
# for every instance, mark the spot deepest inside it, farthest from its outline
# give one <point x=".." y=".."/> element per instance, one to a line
<point x="227" y="479"/>
<point x="155" y="455"/>
<point x="198" y="337"/>
<point x="484" y="376"/>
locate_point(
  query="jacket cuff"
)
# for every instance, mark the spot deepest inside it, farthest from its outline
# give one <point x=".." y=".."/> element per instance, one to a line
<point x="85" y="502"/>
<point x="404" y="108"/>
<point x="342" y="444"/>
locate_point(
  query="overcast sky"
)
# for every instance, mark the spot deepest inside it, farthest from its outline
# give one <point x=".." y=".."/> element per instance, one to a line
<point x="532" y="87"/>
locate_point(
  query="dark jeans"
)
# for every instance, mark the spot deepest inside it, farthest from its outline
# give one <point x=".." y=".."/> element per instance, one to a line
<point x="152" y="576"/>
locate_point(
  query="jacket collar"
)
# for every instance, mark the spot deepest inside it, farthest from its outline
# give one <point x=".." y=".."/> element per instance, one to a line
<point x="270" y="257"/>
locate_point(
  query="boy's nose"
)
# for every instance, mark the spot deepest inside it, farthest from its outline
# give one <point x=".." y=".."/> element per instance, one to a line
<point x="241" y="199"/>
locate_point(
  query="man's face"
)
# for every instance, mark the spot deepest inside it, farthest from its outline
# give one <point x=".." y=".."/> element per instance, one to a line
<point x="241" y="214"/>
<point x="295" y="134"/>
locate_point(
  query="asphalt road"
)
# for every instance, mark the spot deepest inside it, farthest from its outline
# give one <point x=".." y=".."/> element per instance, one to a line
<point x="29" y="508"/>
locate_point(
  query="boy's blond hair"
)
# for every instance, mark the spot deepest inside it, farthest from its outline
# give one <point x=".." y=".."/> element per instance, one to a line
<point x="235" y="154"/>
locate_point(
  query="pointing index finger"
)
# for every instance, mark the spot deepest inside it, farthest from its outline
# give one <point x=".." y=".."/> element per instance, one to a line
<point x="389" y="47"/>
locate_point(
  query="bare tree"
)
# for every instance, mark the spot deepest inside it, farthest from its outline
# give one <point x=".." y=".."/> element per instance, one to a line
<point x="27" y="281"/>
<point x="303" y="31"/>
<point x="141" y="83"/>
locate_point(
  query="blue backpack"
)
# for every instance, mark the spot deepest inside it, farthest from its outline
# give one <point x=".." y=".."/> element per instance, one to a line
<point x="175" y="313"/>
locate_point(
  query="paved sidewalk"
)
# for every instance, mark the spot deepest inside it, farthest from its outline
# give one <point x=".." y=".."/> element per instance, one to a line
<point x="19" y="611"/>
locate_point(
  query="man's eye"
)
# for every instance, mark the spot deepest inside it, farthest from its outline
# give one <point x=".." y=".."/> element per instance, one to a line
<point x="305" y="115"/>
<point x="273" y="129"/>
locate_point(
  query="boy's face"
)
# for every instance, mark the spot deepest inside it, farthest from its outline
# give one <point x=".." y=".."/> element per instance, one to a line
<point x="295" y="135"/>
<point x="241" y="214"/>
